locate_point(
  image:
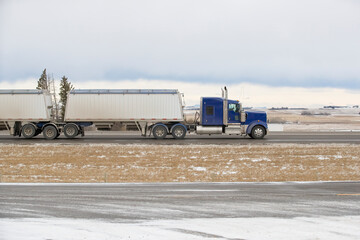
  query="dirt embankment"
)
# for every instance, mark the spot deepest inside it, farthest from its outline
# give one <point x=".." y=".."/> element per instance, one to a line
<point x="175" y="163"/>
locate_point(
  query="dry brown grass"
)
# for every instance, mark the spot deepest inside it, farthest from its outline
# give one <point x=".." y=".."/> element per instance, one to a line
<point x="175" y="163"/>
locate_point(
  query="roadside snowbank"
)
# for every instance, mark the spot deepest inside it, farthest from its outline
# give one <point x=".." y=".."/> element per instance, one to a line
<point x="337" y="228"/>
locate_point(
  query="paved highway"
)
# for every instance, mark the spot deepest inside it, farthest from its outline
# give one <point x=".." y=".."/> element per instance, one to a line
<point x="134" y="138"/>
<point x="128" y="202"/>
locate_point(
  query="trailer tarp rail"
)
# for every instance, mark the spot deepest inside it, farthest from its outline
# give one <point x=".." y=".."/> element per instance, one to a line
<point x="124" y="91"/>
<point x="22" y="91"/>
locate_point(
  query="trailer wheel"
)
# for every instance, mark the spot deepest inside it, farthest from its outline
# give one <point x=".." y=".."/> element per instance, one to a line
<point x="178" y="132"/>
<point x="28" y="131"/>
<point x="71" y="130"/>
<point x="50" y="132"/>
<point x="159" y="132"/>
<point x="258" y="132"/>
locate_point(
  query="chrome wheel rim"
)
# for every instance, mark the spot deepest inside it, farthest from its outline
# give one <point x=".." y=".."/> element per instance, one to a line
<point x="179" y="132"/>
<point x="258" y="132"/>
<point x="159" y="131"/>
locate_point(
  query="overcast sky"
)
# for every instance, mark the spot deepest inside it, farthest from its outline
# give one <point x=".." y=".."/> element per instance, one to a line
<point x="278" y="43"/>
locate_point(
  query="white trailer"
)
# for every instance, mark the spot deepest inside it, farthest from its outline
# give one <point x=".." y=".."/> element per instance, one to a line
<point x="157" y="109"/>
<point x="25" y="112"/>
<point x="124" y="105"/>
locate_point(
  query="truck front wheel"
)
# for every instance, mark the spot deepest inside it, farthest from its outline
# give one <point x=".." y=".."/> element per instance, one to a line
<point x="258" y="132"/>
<point x="50" y="132"/>
<point x="159" y="132"/>
<point x="28" y="131"/>
<point x="178" y="132"/>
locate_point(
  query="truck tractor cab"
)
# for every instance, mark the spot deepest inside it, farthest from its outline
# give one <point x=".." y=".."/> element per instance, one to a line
<point x="225" y="116"/>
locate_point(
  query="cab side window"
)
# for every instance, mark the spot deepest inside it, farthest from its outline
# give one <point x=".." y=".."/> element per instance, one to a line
<point x="233" y="107"/>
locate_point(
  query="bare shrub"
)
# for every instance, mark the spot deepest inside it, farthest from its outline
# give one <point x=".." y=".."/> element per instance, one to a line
<point x="306" y="113"/>
<point x="276" y="120"/>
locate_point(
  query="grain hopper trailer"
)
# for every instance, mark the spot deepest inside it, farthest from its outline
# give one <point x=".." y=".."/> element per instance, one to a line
<point x="26" y="112"/>
<point x="150" y="110"/>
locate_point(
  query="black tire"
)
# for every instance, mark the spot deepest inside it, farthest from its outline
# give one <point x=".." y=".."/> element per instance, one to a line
<point x="258" y="132"/>
<point x="50" y="132"/>
<point x="159" y="131"/>
<point x="178" y="132"/>
<point x="28" y="131"/>
<point x="71" y="130"/>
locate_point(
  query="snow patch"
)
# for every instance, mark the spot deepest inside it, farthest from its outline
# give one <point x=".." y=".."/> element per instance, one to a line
<point x="330" y="228"/>
<point x="199" y="169"/>
<point x="261" y="160"/>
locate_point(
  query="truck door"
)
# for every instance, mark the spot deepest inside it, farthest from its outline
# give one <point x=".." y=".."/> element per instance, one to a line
<point x="208" y="114"/>
<point x="233" y="112"/>
<point x="212" y="112"/>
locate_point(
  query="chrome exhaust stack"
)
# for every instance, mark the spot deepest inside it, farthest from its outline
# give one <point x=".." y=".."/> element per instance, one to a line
<point x="225" y="106"/>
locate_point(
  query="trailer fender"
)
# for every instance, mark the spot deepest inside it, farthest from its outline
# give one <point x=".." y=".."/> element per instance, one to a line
<point x="256" y="123"/>
<point x="76" y="125"/>
<point x="177" y="124"/>
<point x="36" y="127"/>
<point x="45" y="125"/>
<point x="83" y="124"/>
<point x="157" y="124"/>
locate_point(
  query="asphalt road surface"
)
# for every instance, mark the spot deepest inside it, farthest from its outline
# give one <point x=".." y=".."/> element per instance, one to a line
<point x="132" y="202"/>
<point x="134" y="138"/>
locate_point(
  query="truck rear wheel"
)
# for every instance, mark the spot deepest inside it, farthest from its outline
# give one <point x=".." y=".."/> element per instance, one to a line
<point x="159" y="132"/>
<point x="178" y="132"/>
<point x="50" y="132"/>
<point x="71" y="130"/>
<point x="258" y="132"/>
<point x="28" y="131"/>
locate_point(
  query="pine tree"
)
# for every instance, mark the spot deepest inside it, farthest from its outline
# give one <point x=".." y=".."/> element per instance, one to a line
<point x="43" y="81"/>
<point x="65" y="88"/>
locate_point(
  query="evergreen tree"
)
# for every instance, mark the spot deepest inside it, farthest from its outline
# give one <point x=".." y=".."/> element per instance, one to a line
<point x="43" y="81"/>
<point x="65" y="88"/>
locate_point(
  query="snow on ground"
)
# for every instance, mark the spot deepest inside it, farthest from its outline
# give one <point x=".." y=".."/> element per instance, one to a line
<point x="321" y="127"/>
<point x="337" y="228"/>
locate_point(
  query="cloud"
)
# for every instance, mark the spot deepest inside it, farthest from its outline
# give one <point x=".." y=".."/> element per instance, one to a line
<point x="275" y="43"/>
<point x="253" y="95"/>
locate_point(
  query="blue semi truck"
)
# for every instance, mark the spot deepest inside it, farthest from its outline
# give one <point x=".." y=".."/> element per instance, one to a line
<point x="227" y="117"/>
<point x="154" y="112"/>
